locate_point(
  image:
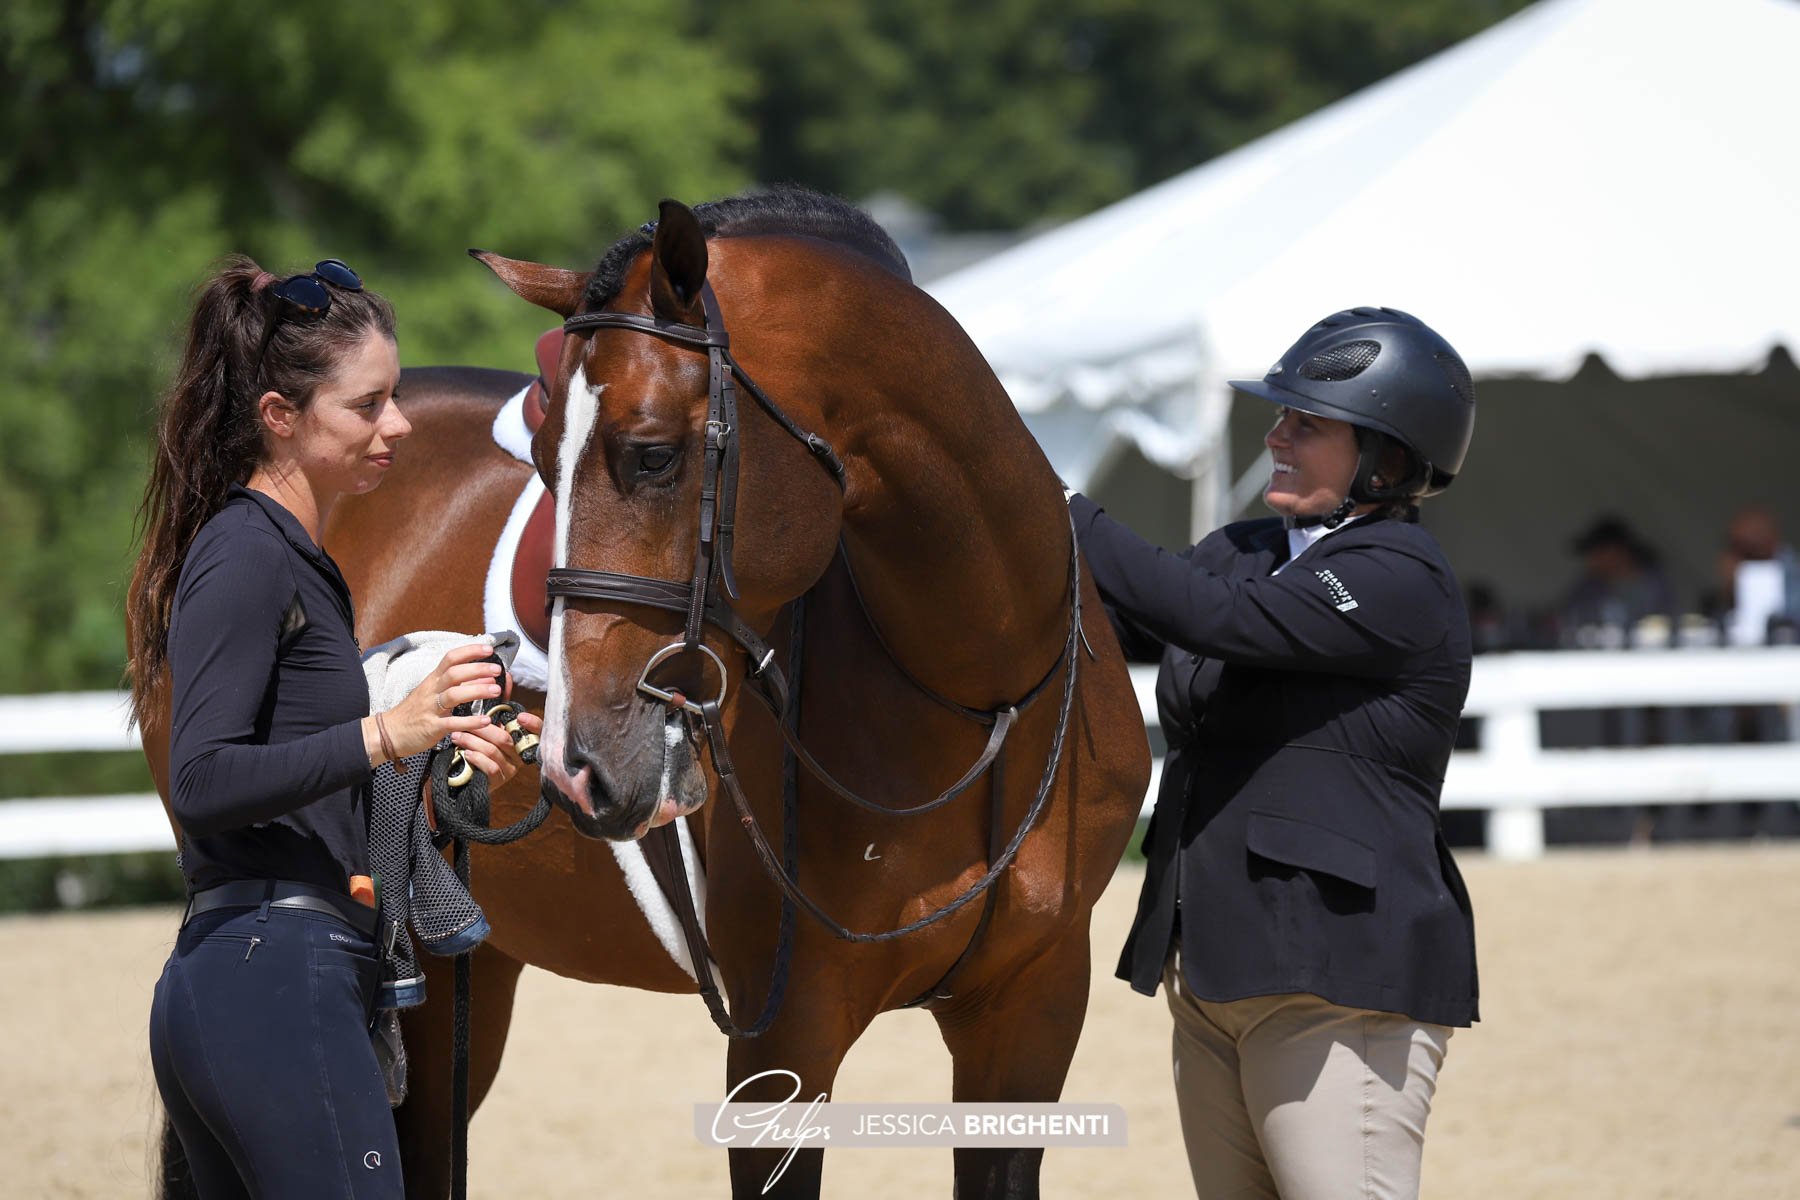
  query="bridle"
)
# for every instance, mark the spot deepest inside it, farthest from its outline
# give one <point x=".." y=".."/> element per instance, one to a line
<point x="707" y="599"/>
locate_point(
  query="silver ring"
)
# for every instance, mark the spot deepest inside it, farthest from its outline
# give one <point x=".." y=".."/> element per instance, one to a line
<point x="651" y="690"/>
<point x="437" y="702"/>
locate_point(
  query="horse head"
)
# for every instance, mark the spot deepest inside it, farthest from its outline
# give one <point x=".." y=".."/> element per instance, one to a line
<point x="626" y="448"/>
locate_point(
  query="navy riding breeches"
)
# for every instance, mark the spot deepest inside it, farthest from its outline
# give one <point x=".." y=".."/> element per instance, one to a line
<point x="259" y="1036"/>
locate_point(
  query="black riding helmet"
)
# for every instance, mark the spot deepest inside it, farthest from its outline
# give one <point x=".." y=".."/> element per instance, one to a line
<point x="1385" y="372"/>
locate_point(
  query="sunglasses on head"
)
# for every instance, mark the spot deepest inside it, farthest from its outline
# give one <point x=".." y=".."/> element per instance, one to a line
<point x="307" y="296"/>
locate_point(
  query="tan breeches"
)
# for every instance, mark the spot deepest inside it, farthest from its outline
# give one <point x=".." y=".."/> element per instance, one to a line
<point x="1290" y="1096"/>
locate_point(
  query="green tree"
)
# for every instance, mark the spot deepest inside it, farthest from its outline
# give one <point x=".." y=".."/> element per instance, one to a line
<point x="140" y="141"/>
<point x="999" y="114"/>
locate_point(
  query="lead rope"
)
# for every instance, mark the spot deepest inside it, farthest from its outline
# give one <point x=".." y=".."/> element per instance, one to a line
<point x="464" y="812"/>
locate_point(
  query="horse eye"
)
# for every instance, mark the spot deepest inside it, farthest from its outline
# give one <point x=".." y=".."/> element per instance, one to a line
<point x="654" y="460"/>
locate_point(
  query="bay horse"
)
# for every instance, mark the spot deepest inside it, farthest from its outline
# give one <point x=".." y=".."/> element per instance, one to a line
<point x="937" y="568"/>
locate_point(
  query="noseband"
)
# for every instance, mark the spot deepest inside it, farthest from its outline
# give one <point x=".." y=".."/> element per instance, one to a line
<point x="707" y="597"/>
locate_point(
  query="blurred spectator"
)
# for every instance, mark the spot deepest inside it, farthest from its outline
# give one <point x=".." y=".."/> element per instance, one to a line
<point x="1491" y="629"/>
<point x="1620" y="584"/>
<point x="1759" y="578"/>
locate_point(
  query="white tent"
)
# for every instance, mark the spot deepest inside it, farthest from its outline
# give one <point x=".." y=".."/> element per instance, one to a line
<point x="1589" y="177"/>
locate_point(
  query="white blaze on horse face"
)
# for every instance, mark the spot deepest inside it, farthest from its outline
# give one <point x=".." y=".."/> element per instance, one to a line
<point x="581" y="410"/>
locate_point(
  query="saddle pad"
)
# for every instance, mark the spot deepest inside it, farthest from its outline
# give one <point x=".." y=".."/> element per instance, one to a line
<point x="511" y="433"/>
<point x="520" y="416"/>
<point x="523" y="553"/>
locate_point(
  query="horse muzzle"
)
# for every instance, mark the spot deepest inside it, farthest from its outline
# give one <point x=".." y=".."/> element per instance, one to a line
<point x="625" y="799"/>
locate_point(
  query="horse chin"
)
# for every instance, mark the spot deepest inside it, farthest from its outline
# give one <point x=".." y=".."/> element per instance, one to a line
<point x="681" y="789"/>
<point x="670" y="807"/>
<point x="660" y="783"/>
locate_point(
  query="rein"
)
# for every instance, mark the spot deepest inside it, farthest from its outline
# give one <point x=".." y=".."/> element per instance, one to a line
<point x="462" y="808"/>
<point x="707" y="599"/>
<point x="1003" y="719"/>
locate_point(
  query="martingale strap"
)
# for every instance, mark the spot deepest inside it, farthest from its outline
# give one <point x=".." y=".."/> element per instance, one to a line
<point x="723" y="766"/>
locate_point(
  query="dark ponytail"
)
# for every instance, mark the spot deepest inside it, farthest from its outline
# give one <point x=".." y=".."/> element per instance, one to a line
<point x="209" y="434"/>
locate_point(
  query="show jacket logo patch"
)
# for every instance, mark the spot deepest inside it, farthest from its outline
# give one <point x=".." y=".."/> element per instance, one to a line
<point x="1341" y="599"/>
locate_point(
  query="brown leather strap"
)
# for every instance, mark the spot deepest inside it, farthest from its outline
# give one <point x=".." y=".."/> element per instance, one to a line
<point x="722" y="401"/>
<point x="662" y="851"/>
<point x="726" y="770"/>
<point x="942" y="991"/>
<point x="674" y="331"/>
<point x="668" y="869"/>
<point x="657" y="593"/>
<point x="1004" y="720"/>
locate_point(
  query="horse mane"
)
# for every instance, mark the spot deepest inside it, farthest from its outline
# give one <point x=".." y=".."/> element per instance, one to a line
<point x="779" y="210"/>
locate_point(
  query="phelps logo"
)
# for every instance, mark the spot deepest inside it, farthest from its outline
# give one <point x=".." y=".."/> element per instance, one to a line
<point x="1341" y="599"/>
<point x="783" y="1124"/>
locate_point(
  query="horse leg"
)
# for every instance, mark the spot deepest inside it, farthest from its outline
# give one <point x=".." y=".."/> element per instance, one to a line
<point x="1012" y="1040"/>
<point x="423" y="1122"/>
<point x="808" y="1040"/>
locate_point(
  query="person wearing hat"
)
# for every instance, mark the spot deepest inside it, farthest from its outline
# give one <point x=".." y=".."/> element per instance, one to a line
<point x="1300" y="906"/>
<point x="1620" y="582"/>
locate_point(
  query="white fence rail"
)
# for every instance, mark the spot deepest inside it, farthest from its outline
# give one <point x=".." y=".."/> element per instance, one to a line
<point x="75" y="721"/>
<point x="1512" y="776"/>
<point x="1516" y="779"/>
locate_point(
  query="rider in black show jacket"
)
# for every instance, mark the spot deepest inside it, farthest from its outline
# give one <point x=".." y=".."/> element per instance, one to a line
<point x="1309" y="717"/>
<point x="1310" y="707"/>
<point x="1306" y="920"/>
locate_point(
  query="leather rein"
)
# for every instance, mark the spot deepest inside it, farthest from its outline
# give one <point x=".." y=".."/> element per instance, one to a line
<point x="706" y="600"/>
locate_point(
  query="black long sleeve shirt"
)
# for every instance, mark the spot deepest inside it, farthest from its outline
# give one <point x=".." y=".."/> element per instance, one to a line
<point x="268" y="775"/>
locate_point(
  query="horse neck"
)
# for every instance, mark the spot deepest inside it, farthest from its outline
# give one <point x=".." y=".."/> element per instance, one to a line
<point x="954" y="522"/>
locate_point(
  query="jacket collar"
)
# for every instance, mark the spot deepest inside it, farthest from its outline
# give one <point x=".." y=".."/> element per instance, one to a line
<point x="283" y="520"/>
<point x="1271" y="537"/>
<point x="1300" y="539"/>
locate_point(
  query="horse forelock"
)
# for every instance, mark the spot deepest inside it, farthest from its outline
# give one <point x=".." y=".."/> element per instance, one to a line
<point x="784" y="210"/>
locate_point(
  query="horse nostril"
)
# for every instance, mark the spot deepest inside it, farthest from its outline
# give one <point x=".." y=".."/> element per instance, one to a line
<point x="587" y="775"/>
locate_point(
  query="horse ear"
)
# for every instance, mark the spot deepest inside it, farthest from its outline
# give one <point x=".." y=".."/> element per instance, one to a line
<point x="677" y="264"/>
<point x="553" y="288"/>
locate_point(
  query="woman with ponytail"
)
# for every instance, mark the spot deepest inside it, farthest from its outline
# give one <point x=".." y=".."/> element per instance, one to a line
<point x="241" y="632"/>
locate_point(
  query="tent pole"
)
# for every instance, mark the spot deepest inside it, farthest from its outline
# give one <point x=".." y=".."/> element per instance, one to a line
<point x="1212" y="475"/>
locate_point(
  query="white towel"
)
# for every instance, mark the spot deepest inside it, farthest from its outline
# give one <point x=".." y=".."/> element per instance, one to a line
<point x="399" y="665"/>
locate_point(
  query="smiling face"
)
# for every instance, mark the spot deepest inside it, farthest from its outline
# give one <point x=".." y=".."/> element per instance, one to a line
<point x="1315" y="461"/>
<point x="345" y="440"/>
